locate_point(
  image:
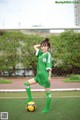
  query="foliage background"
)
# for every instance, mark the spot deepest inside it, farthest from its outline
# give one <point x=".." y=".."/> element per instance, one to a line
<point x="17" y="52"/>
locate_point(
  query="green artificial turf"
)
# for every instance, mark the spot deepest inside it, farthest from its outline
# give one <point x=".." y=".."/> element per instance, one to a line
<point x="61" y="109"/>
<point x="64" y="106"/>
<point x="2" y="81"/>
<point x="72" y="78"/>
<point x="40" y="94"/>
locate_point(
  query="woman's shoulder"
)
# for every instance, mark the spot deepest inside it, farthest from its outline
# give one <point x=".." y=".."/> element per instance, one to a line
<point x="48" y="53"/>
<point x="39" y="52"/>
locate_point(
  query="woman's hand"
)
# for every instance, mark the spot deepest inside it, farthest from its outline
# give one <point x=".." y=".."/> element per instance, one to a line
<point x="36" y="47"/>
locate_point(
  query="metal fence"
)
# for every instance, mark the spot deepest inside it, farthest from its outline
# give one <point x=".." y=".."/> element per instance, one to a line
<point x="29" y="72"/>
<point x="17" y="73"/>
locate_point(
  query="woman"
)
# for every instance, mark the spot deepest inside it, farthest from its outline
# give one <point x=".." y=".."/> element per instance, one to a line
<point x="43" y="75"/>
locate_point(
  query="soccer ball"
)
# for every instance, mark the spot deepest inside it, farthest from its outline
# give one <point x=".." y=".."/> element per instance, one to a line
<point x="31" y="106"/>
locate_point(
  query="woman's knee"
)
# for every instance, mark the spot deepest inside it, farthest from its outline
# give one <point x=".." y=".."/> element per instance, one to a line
<point x="26" y="83"/>
<point x="29" y="82"/>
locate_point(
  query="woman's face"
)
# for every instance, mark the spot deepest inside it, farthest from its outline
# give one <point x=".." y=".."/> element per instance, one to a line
<point x="44" y="48"/>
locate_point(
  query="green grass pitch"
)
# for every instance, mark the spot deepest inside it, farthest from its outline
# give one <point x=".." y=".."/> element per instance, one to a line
<point x="64" y="107"/>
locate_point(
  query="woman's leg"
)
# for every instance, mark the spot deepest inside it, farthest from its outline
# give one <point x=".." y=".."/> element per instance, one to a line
<point x="48" y="100"/>
<point x="28" y="90"/>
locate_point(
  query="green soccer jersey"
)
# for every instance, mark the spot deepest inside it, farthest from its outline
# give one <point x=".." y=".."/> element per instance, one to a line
<point x="44" y="64"/>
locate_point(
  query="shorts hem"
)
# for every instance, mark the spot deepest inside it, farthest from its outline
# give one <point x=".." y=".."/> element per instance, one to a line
<point x="45" y="84"/>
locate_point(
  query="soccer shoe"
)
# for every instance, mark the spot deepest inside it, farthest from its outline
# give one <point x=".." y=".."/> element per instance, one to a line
<point x="45" y="111"/>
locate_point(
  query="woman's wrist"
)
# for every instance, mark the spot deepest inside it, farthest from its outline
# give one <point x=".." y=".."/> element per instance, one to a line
<point x="36" y="47"/>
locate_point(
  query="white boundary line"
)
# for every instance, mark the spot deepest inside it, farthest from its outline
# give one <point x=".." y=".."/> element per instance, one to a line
<point x="38" y="97"/>
<point x="39" y="90"/>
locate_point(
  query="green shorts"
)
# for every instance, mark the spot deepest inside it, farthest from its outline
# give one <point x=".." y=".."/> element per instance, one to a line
<point x="44" y="84"/>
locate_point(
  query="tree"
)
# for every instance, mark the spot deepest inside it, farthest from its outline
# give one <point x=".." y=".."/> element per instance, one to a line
<point x="67" y="49"/>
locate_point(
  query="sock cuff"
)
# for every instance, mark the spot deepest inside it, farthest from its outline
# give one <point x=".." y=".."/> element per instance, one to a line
<point x="26" y="84"/>
<point x="48" y="94"/>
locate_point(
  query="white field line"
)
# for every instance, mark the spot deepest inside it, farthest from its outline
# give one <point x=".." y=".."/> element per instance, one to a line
<point x="38" y="97"/>
<point x="39" y="90"/>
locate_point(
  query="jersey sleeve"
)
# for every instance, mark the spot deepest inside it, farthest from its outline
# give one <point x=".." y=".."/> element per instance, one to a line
<point x="39" y="52"/>
<point x="49" y="62"/>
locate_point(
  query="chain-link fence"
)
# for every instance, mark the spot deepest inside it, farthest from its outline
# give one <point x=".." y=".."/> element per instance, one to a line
<point x="17" y="55"/>
<point x="30" y="72"/>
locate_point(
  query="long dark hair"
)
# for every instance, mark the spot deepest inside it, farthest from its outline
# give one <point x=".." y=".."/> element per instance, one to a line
<point x="45" y="43"/>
